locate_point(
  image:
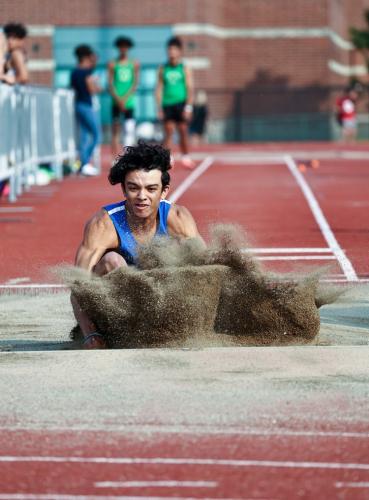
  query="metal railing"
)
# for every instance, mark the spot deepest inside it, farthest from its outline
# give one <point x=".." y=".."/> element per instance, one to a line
<point x="37" y="126"/>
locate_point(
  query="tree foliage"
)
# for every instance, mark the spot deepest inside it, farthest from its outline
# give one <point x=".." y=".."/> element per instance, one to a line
<point x="360" y="38"/>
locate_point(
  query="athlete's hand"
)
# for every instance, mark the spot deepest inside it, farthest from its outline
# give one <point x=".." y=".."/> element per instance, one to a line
<point x="187" y="115"/>
<point x="122" y="105"/>
<point x="9" y="79"/>
<point x="160" y="114"/>
<point x="187" y="112"/>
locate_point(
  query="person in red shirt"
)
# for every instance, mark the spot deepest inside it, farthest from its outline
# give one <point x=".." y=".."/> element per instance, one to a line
<point x="346" y="114"/>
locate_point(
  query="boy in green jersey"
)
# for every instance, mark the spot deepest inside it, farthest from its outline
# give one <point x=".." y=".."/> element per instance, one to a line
<point x="174" y="96"/>
<point x="123" y="78"/>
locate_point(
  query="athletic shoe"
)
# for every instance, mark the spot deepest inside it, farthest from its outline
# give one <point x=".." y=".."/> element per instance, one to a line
<point x="89" y="170"/>
<point x="94" y="341"/>
<point x="6" y="190"/>
<point x="76" y="166"/>
<point x="187" y="162"/>
<point x="172" y="161"/>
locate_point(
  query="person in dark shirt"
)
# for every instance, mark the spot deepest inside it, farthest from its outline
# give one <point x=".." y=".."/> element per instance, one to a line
<point x="199" y="118"/>
<point x="85" y="86"/>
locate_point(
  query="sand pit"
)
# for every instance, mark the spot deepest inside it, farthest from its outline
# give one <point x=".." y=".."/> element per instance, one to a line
<point x="43" y="322"/>
<point x="184" y="293"/>
<point x="190" y="297"/>
<point x="154" y="308"/>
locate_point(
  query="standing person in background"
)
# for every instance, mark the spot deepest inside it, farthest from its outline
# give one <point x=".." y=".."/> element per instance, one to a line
<point x="13" y="66"/>
<point x="85" y="86"/>
<point x="174" y="96"/>
<point x="346" y="114"/>
<point x="199" y="117"/>
<point x="123" y="79"/>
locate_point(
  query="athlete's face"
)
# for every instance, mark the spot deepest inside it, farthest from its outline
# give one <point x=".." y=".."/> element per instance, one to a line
<point x="143" y="191"/>
<point x="174" y="53"/>
<point x="15" y="43"/>
<point x="93" y="60"/>
<point x="123" y="51"/>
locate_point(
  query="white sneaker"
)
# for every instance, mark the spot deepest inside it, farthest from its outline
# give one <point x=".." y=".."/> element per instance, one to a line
<point x="89" y="170"/>
<point x="187" y="162"/>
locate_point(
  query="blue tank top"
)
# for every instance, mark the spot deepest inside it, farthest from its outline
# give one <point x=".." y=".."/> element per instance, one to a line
<point x="127" y="242"/>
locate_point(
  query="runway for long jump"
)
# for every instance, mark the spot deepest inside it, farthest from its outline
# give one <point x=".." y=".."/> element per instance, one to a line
<point x="257" y="423"/>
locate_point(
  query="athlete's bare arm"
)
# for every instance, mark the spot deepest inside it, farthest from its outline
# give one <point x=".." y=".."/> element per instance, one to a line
<point x="182" y="225"/>
<point x="93" y="84"/>
<point x="18" y="62"/>
<point x="159" y="92"/>
<point x="2" y="54"/>
<point x="111" y="65"/>
<point x="136" y="75"/>
<point x="189" y="85"/>
<point x="99" y="236"/>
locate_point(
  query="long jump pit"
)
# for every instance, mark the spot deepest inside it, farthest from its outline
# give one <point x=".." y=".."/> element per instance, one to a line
<point x="222" y="380"/>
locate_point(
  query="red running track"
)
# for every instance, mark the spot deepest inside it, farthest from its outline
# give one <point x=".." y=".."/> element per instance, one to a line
<point x="264" y="198"/>
<point x="56" y="465"/>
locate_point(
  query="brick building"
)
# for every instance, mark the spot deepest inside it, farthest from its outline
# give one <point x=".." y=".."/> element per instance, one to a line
<point x="261" y="61"/>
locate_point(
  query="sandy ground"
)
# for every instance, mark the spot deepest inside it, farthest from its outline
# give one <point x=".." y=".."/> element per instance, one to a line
<point x="179" y="390"/>
<point x="38" y="323"/>
<point x="294" y="388"/>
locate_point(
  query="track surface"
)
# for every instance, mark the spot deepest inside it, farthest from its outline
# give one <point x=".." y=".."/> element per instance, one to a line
<point x="241" y="186"/>
<point x="216" y="423"/>
<point x="220" y="466"/>
<point x="248" y="423"/>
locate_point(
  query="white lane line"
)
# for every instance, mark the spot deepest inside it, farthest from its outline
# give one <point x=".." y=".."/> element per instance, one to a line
<point x="187" y="183"/>
<point x="363" y="484"/>
<point x="193" y="431"/>
<point x="321" y="220"/>
<point x="17" y="281"/>
<point x="360" y="280"/>
<point x="332" y="279"/>
<point x="288" y="464"/>
<point x="10" y="210"/>
<point x="156" y="484"/>
<point x="299" y="257"/>
<point x="55" y="496"/>
<point x="242" y="155"/>
<point x="33" y="285"/>
<point x="288" y="250"/>
<point x="252" y="161"/>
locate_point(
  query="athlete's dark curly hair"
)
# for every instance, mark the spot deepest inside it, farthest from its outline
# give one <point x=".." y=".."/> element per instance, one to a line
<point x="83" y="51"/>
<point x="144" y="156"/>
<point x="124" y="41"/>
<point x="17" y="30"/>
<point x="175" y="41"/>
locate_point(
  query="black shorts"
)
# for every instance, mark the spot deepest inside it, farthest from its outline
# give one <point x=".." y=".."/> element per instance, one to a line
<point x="174" y="112"/>
<point x="117" y="114"/>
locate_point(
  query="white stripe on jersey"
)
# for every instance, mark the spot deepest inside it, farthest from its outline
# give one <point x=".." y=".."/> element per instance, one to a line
<point x="116" y="209"/>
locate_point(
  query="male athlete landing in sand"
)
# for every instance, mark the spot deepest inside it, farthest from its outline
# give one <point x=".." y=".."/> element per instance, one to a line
<point x="112" y="235"/>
